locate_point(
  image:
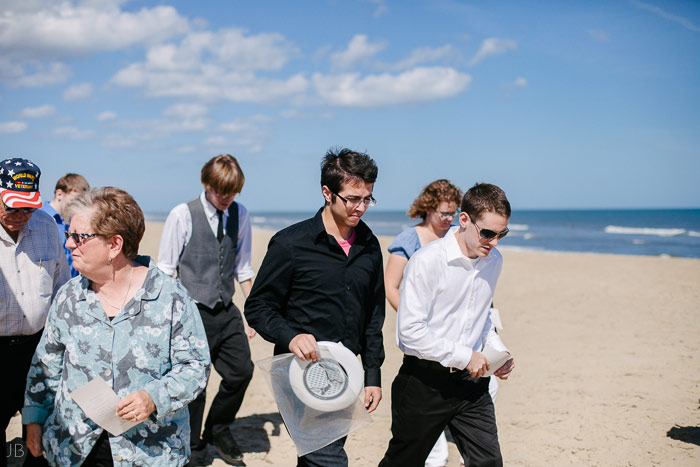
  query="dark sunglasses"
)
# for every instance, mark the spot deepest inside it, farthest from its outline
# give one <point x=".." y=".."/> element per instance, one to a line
<point x="78" y="238"/>
<point x="488" y="234"/>
<point x="14" y="210"/>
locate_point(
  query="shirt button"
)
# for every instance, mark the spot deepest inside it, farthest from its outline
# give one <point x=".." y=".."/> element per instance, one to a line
<point x="108" y="372"/>
<point x="118" y="458"/>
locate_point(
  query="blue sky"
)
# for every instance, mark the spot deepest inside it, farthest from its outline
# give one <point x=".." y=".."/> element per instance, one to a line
<point x="563" y="104"/>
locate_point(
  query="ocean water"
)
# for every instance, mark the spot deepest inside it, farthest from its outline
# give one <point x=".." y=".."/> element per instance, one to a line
<point x="652" y="232"/>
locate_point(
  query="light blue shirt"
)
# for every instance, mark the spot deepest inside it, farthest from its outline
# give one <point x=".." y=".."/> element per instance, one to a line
<point x="406" y="243"/>
<point x="62" y="227"/>
<point x="155" y="343"/>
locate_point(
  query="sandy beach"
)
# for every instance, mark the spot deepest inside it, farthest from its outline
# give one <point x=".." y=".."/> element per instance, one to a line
<point x="607" y="353"/>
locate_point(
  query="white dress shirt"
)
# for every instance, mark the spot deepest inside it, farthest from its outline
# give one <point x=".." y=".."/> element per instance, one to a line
<point x="444" y="307"/>
<point x="177" y="232"/>
<point x="31" y="272"/>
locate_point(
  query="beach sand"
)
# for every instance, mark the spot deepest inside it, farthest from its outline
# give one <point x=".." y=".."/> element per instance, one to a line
<point x="607" y="352"/>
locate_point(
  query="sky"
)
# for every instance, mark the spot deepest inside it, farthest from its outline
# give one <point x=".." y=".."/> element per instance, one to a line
<point x="563" y="104"/>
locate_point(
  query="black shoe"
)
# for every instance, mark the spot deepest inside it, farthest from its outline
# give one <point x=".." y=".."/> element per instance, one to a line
<point x="228" y="449"/>
<point x="198" y="458"/>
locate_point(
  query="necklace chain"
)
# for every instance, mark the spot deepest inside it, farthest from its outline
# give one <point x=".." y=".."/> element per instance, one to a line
<point x="102" y="297"/>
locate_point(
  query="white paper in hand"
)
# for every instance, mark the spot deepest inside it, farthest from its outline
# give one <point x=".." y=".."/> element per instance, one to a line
<point x="99" y="402"/>
<point x="496" y="359"/>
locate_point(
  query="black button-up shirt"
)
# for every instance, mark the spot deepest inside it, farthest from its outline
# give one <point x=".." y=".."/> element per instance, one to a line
<point x="307" y="285"/>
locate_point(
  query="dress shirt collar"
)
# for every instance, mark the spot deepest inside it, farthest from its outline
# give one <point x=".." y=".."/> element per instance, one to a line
<point x="362" y="232"/>
<point x="209" y="208"/>
<point x="454" y="252"/>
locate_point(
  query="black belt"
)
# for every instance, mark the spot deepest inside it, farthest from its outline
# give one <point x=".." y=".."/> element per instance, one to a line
<point x="10" y="341"/>
<point x="410" y="360"/>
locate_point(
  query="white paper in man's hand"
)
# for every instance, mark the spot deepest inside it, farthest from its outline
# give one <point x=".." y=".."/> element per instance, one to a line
<point x="496" y="359"/>
<point x="99" y="402"/>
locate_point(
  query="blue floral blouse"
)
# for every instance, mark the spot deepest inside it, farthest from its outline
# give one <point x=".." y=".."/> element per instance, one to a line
<point x="156" y="343"/>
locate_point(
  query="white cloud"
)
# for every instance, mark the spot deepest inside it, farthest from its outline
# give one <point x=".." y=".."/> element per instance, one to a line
<point x="78" y="92"/>
<point x="189" y="148"/>
<point x="38" y="112"/>
<point x="216" y="66"/>
<point x="493" y="46"/>
<point x="106" y="116"/>
<point x="418" y="85"/>
<point x="381" y="7"/>
<point x="12" y="127"/>
<point x="520" y="82"/>
<point x="240" y="125"/>
<point x="186" y="110"/>
<point x="598" y="35"/>
<point x="685" y="22"/>
<point x="38" y="35"/>
<point x="163" y="128"/>
<point x="359" y="51"/>
<point x="32" y="73"/>
<point x="119" y="141"/>
<point x="216" y="141"/>
<point x="73" y="133"/>
<point x="421" y="55"/>
<point x="67" y="29"/>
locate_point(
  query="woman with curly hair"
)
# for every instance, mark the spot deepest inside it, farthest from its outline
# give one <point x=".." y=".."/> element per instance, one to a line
<point x="437" y="207"/>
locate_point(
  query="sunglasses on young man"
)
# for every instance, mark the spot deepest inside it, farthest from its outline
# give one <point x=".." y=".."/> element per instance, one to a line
<point x="488" y="234"/>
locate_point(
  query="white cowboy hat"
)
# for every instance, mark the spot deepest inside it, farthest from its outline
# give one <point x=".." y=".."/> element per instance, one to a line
<point x="331" y="383"/>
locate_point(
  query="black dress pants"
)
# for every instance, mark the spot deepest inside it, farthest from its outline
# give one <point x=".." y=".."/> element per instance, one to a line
<point x="230" y="355"/>
<point x="425" y="397"/>
<point x="17" y="353"/>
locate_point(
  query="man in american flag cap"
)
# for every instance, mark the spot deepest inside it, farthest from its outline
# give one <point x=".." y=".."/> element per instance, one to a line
<point x="32" y="268"/>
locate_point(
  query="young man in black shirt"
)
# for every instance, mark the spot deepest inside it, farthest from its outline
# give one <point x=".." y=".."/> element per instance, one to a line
<point x="322" y="280"/>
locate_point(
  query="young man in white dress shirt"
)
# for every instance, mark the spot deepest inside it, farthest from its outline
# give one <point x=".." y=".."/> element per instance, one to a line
<point x="443" y="325"/>
<point x="208" y="241"/>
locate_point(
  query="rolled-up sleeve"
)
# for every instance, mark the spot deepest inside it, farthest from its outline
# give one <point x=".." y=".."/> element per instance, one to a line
<point x="44" y="377"/>
<point x="244" y="270"/>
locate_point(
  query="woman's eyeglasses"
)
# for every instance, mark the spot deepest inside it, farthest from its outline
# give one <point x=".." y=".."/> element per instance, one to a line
<point x="446" y="215"/>
<point x="488" y="234"/>
<point x="78" y="238"/>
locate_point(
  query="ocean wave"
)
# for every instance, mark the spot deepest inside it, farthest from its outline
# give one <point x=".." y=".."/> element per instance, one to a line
<point x="519" y="227"/>
<point x="692" y="233"/>
<point x="615" y="229"/>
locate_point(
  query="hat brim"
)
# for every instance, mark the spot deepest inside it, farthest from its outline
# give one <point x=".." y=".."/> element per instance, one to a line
<point x="340" y="355"/>
<point x="21" y="199"/>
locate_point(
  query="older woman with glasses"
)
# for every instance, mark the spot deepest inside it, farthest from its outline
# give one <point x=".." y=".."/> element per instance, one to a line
<point x="126" y="322"/>
<point x="437" y="207"/>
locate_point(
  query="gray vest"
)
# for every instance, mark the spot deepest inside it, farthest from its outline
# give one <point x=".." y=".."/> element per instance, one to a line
<point x="206" y="267"/>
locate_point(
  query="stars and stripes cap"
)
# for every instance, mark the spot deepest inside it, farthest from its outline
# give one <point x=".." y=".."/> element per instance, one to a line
<point x="19" y="183"/>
